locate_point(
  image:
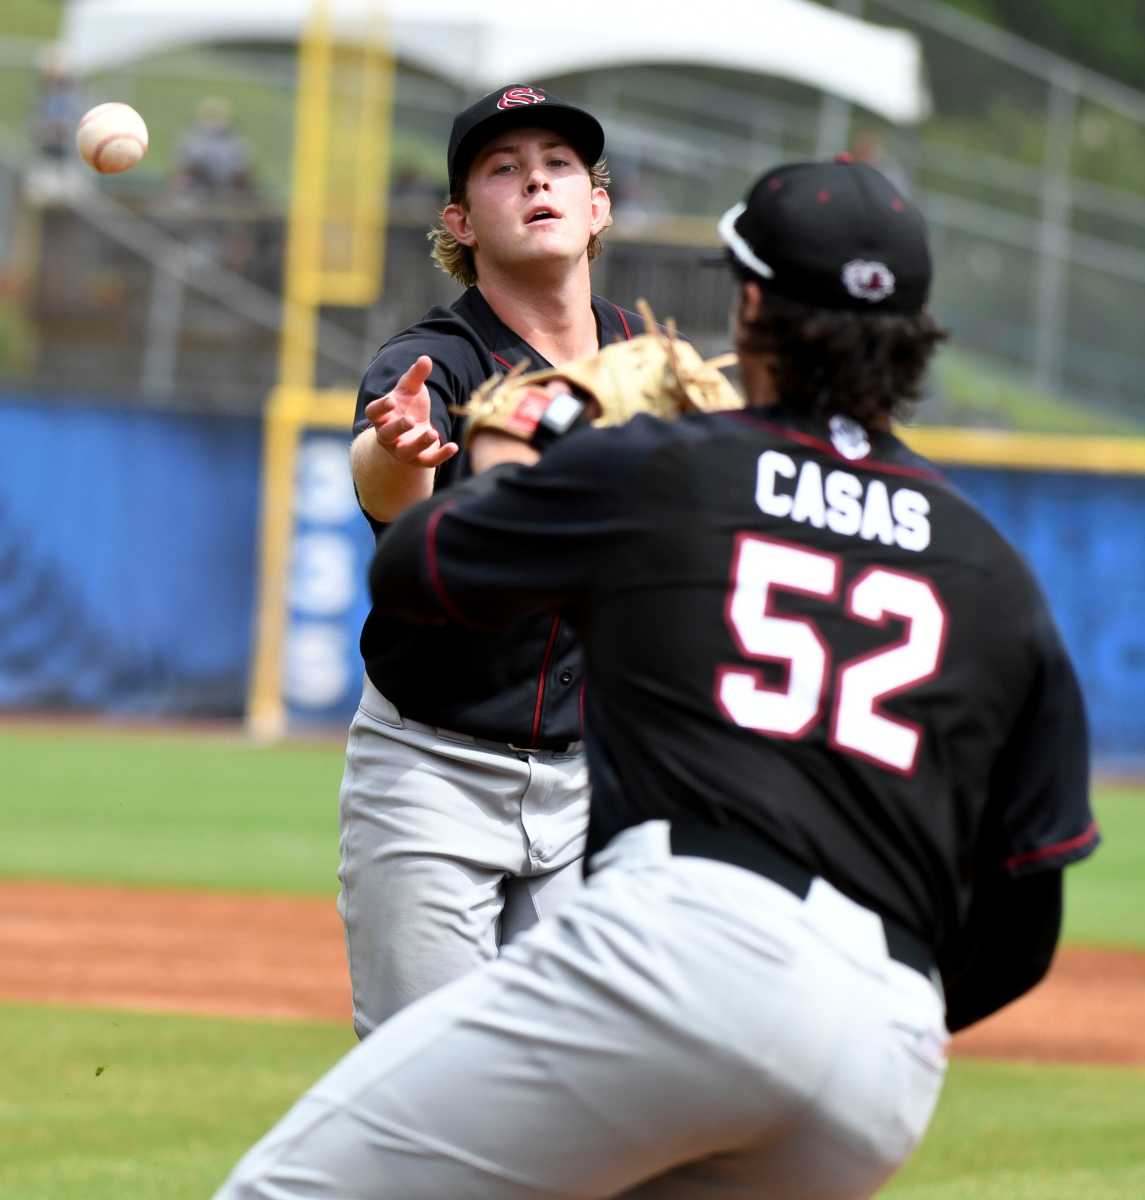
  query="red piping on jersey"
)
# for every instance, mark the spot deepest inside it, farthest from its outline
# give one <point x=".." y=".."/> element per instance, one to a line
<point x="507" y="365"/>
<point x="433" y="568"/>
<point x="623" y="321"/>
<point x="815" y="443"/>
<point x="1073" y="843"/>
<point x="545" y="662"/>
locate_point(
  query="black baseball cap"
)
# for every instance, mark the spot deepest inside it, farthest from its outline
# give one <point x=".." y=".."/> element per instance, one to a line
<point x="518" y="105"/>
<point x="832" y="234"/>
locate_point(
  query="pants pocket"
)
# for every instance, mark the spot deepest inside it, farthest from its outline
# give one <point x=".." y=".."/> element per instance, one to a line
<point x="921" y="1057"/>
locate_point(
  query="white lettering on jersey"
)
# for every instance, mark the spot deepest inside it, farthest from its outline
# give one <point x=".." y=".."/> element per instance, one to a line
<point x="809" y="505"/>
<point x="844" y="495"/>
<point x="877" y="522"/>
<point x="842" y="502"/>
<point x="771" y="464"/>
<point x="912" y="528"/>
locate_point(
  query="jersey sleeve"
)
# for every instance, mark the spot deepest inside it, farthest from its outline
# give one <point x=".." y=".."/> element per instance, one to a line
<point x="395" y="358"/>
<point x="1040" y="789"/>
<point x="513" y="541"/>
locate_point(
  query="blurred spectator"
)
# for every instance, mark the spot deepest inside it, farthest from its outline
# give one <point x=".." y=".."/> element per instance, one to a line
<point x="59" y="105"/>
<point x="635" y="197"/>
<point x="214" y="177"/>
<point x="61" y="100"/>
<point x="213" y="160"/>
<point x="867" y="146"/>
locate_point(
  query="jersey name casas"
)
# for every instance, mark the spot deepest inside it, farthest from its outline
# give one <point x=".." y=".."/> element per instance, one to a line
<point x="842" y="502"/>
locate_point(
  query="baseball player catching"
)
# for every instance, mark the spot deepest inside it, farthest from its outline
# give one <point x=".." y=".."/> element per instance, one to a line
<point x="838" y="756"/>
<point x="465" y="795"/>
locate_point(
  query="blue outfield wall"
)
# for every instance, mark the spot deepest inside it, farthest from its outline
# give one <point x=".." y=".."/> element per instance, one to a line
<point x="1084" y="537"/>
<point x="128" y="564"/>
<point x="127" y="540"/>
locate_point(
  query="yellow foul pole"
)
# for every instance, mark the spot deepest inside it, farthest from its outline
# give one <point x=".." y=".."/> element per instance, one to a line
<point x="338" y="200"/>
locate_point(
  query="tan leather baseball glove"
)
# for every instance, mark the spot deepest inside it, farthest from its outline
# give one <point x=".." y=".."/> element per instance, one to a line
<point x="656" y="373"/>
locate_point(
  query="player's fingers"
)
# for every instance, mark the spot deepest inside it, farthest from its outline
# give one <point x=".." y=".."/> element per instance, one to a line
<point x="379" y="407"/>
<point x="410" y="445"/>
<point x="435" y="457"/>
<point x="392" y="428"/>
<point x="414" y="379"/>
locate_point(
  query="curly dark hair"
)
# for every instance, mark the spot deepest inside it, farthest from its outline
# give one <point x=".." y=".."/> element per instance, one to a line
<point x="862" y="365"/>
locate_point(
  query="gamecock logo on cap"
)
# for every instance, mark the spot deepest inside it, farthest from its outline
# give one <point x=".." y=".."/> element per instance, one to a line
<point x="873" y="281"/>
<point x="516" y="97"/>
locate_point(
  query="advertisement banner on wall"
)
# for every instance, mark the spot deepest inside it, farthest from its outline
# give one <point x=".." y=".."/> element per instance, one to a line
<point x="327" y="599"/>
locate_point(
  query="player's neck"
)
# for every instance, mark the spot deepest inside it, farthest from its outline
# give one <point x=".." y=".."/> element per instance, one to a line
<point x="758" y="380"/>
<point x="554" y="315"/>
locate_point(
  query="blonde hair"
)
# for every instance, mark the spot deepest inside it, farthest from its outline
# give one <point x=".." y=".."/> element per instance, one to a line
<point x="457" y="260"/>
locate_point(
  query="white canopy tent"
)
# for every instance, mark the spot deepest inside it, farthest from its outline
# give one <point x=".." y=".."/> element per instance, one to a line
<point x="479" y="44"/>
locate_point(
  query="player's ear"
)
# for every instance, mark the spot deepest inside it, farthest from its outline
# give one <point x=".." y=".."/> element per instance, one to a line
<point x="601" y="210"/>
<point x="750" y="302"/>
<point x="455" y="218"/>
<point x="746" y="308"/>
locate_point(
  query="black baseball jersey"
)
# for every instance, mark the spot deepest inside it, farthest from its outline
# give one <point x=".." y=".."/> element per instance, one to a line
<point x="795" y="628"/>
<point x="521" y="685"/>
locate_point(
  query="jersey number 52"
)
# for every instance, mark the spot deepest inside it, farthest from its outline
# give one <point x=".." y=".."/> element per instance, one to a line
<point x="763" y="566"/>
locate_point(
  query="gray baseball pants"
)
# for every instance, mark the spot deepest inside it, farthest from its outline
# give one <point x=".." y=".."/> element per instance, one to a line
<point x="450" y="846"/>
<point x="681" y="1030"/>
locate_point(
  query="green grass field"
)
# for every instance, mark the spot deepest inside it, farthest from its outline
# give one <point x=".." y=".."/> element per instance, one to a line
<point x="216" y="811"/>
<point x="209" y="811"/>
<point x="109" y="1106"/>
<point x="101" y="1105"/>
<point x="1010" y="1131"/>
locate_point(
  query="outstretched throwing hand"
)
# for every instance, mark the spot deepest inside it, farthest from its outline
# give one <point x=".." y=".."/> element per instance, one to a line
<point x="401" y="420"/>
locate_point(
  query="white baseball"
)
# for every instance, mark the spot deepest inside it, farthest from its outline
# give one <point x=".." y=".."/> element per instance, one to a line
<point x="111" y="137"/>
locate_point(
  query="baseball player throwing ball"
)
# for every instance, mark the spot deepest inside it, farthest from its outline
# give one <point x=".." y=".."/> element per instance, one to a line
<point x="837" y="749"/>
<point x="464" y="801"/>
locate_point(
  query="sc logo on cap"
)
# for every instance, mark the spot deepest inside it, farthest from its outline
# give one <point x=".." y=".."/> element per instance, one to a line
<point x="873" y="281"/>
<point x="518" y="97"/>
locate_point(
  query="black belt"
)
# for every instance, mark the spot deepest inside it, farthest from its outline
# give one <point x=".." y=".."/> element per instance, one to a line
<point x="750" y="851"/>
<point x="469" y="739"/>
<point x="556" y="748"/>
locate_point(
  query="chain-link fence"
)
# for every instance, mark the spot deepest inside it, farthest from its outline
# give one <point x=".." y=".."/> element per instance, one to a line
<point x="1030" y="171"/>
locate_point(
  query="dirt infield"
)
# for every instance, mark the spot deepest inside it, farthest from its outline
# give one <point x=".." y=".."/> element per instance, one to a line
<point x="283" y="957"/>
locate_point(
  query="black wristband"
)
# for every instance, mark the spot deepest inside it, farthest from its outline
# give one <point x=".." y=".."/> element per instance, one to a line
<point x="563" y="414"/>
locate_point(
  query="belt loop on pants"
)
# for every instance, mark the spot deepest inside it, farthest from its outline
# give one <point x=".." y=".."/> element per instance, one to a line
<point x="753" y="852"/>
